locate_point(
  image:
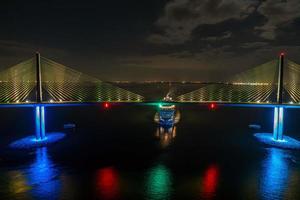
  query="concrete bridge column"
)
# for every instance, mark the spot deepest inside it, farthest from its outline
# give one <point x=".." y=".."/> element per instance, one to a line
<point x="278" y="123"/>
<point x="40" y="122"/>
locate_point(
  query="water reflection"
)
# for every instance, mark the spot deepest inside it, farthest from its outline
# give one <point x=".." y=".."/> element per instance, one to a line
<point x="38" y="181"/>
<point x="158" y="183"/>
<point x="210" y="182"/>
<point x="108" y="183"/>
<point x="43" y="176"/>
<point x="165" y="135"/>
<point x="275" y="174"/>
<point x="18" y="184"/>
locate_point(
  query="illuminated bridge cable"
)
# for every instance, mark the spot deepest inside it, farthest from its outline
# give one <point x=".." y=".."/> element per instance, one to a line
<point x="256" y="85"/>
<point x="17" y="82"/>
<point x="291" y="82"/>
<point x="63" y="84"/>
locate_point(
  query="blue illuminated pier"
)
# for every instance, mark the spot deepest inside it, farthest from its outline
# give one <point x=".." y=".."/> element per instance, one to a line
<point x="40" y="138"/>
<point x="40" y="129"/>
<point x="277" y="138"/>
<point x="278" y="123"/>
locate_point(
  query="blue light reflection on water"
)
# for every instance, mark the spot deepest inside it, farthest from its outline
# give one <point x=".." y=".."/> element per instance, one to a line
<point x="286" y="143"/>
<point x="275" y="173"/>
<point x="42" y="176"/>
<point x="31" y="141"/>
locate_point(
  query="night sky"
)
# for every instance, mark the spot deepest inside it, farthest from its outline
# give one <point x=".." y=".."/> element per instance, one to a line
<point x="151" y="39"/>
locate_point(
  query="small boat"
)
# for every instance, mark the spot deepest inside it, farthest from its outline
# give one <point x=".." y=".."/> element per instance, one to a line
<point x="69" y="126"/>
<point x="254" y="126"/>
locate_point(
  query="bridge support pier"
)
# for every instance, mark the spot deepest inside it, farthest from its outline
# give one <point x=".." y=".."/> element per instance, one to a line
<point x="39" y="138"/>
<point x="277" y="138"/>
<point x="40" y="130"/>
<point x="278" y="123"/>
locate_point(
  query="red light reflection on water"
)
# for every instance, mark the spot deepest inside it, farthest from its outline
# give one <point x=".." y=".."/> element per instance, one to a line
<point x="108" y="183"/>
<point x="210" y="181"/>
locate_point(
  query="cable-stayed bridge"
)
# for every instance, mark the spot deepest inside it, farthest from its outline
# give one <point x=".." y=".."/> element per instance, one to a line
<point x="264" y="84"/>
<point x="41" y="82"/>
<point x="274" y="83"/>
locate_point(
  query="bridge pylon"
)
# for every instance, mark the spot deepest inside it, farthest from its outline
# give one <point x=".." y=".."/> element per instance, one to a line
<point x="279" y="109"/>
<point x="40" y="129"/>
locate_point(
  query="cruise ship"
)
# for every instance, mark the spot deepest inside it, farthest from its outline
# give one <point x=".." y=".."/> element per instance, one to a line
<point x="167" y="116"/>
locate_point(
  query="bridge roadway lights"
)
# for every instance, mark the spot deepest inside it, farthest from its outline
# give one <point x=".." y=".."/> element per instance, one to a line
<point x="40" y="138"/>
<point x="277" y="139"/>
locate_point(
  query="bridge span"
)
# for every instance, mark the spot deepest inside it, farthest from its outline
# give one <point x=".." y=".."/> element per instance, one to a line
<point x="40" y="82"/>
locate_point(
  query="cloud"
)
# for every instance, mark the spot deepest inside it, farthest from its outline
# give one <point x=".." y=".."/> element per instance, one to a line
<point x="277" y="12"/>
<point x="224" y="36"/>
<point x="182" y="17"/>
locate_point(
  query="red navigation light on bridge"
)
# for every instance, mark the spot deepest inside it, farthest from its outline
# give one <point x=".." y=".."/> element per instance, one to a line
<point x="282" y="54"/>
<point x="106" y="105"/>
<point x="212" y="106"/>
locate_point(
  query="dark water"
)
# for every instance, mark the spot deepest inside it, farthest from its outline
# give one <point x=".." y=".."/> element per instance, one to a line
<point x="118" y="154"/>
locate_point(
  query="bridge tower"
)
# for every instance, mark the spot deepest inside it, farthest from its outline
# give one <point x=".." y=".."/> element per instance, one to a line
<point x="40" y="130"/>
<point x="279" y="109"/>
